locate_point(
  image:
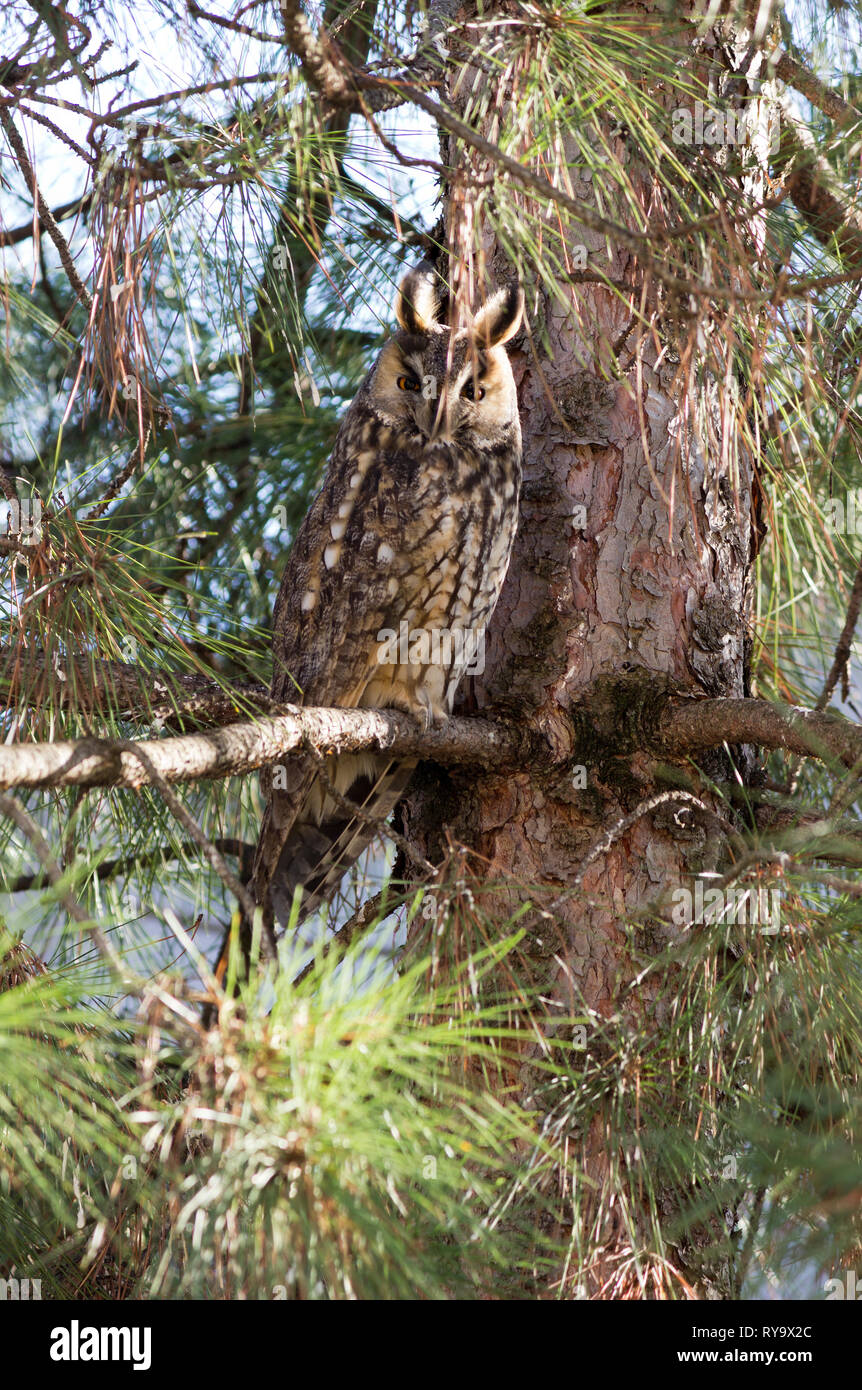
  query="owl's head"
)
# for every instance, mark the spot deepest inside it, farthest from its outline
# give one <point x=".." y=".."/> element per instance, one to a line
<point x="445" y="385"/>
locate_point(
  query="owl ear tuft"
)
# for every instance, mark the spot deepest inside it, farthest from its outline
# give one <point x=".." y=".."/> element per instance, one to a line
<point x="499" y="318"/>
<point x="417" y="302"/>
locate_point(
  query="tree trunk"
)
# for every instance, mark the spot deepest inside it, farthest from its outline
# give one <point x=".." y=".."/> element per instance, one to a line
<point x="632" y="573"/>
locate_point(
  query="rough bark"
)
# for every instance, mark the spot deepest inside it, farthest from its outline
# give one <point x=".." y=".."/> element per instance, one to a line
<point x="657" y="584"/>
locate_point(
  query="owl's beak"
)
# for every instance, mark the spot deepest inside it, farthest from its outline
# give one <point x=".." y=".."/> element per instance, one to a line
<point x="439" y="421"/>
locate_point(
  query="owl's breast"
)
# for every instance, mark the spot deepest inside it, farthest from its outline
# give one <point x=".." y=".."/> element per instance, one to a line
<point x="406" y="543"/>
<point x="459" y="514"/>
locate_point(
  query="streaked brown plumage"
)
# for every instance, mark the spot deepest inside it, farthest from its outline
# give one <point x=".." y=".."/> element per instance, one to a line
<point x="414" y="524"/>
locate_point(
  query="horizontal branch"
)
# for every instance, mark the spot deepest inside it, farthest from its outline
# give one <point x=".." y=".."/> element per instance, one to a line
<point x="238" y="749"/>
<point x="676" y="728"/>
<point x="240" y="850"/>
<point x="690" y="726"/>
<point x="88" y="684"/>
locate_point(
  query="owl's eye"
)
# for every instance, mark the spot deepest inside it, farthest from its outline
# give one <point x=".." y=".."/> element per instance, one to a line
<point x="473" y="392"/>
<point x="408" y="383"/>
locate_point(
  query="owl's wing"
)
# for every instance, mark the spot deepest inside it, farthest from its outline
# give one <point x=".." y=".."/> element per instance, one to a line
<point x="341" y="589"/>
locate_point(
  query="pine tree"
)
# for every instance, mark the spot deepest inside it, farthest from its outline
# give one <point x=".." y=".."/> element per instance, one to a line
<point x="598" y="1034"/>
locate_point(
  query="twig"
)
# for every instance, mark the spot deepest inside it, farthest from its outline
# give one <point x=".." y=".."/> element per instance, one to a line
<point x="843" y="650"/>
<point x="362" y="919"/>
<point x="178" y="810"/>
<point x="61" y="135"/>
<point x="121" y="114"/>
<point x="45" y="214"/>
<point x="119" y="868"/>
<point x="838" y="670"/>
<point x="234" y="26"/>
<point x="119" y="481"/>
<point x="134" y="983"/>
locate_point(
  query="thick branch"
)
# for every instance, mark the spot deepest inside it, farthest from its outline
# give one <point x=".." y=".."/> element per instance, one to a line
<point x="242" y="748"/>
<point x="315" y="53"/>
<point x="806" y="82"/>
<point x="814" y="187"/>
<point x="677" y="728"/>
<point x="693" y="725"/>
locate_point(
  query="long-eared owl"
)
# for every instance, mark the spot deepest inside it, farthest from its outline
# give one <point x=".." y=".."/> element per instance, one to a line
<point x="394" y="573"/>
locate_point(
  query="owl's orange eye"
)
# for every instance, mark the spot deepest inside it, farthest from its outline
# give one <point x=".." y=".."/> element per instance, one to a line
<point x="408" y="383"/>
<point x="473" y="392"/>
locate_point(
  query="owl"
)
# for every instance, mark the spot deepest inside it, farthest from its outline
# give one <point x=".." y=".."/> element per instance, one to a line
<point x="393" y="575"/>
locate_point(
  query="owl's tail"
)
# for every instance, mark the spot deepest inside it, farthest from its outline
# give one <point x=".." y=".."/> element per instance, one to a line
<point x="321" y="841"/>
<point x="319" y="852"/>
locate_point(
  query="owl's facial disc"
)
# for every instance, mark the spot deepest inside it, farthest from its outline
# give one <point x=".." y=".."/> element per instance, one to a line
<point x="404" y="388"/>
<point x="444" y="390"/>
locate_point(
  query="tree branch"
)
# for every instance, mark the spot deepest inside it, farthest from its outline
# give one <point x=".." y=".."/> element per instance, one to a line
<point x="238" y="749"/>
<point x="809" y="85"/>
<point x="691" y="726"/>
<point x="209" y="850"/>
<point x="350" y="88"/>
<point x="816" y="192"/>
<point x="25" y="232"/>
<point x="839" y="669"/>
<point x="319" y="63"/>
<point x="45" y="214"/>
<point x="122" y="972"/>
<point x="121" y="868"/>
<point x="90" y="684"/>
<point x="674" y="729"/>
